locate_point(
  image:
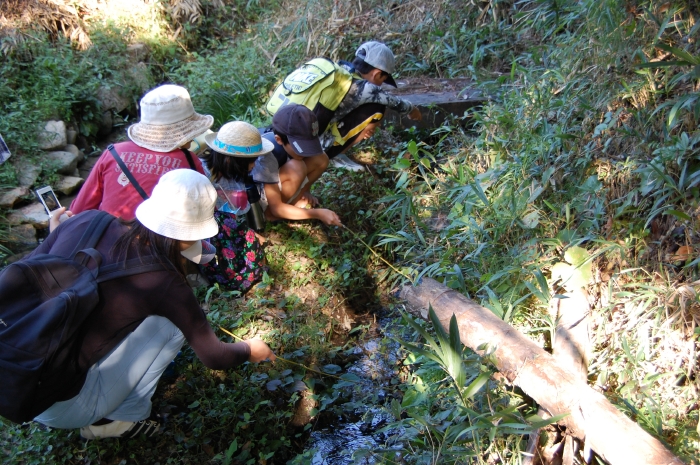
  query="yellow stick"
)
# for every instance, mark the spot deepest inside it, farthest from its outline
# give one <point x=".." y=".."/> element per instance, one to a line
<point x="375" y="253"/>
<point x="289" y="361"/>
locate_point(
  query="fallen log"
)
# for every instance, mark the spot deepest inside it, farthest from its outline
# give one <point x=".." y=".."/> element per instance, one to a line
<point x="613" y="436"/>
<point x="570" y="347"/>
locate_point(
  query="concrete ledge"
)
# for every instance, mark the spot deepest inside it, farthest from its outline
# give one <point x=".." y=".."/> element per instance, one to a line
<point x="437" y="99"/>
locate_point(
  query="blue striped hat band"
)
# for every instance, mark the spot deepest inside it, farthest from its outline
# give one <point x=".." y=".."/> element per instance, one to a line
<point x="237" y="148"/>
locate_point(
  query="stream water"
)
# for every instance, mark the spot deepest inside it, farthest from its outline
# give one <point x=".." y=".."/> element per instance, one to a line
<point x="357" y="421"/>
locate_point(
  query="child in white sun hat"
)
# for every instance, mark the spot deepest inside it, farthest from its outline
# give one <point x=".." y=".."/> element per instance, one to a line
<point x="142" y="320"/>
<point x="126" y="173"/>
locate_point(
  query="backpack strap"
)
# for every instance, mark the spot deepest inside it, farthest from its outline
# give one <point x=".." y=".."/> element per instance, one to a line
<point x="126" y="172"/>
<point x="189" y="158"/>
<point x="93" y="232"/>
<point x="131" y="267"/>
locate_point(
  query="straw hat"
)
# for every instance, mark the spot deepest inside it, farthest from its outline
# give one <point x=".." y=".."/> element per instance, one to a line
<point x="239" y="139"/>
<point x="168" y="120"/>
<point x="181" y="207"/>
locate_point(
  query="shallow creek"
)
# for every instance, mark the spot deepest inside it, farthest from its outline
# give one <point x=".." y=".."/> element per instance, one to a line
<point x="355" y="421"/>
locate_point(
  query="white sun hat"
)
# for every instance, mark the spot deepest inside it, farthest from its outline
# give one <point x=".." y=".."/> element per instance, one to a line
<point x="239" y="139"/>
<point x="181" y="207"/>
<point x="168" y="120"/>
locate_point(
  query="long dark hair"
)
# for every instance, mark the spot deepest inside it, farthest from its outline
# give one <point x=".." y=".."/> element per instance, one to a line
<point x="139" y="241"/>
<point x="225" y="166"/>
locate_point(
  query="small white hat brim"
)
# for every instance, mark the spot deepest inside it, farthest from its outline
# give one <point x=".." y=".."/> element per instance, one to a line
<point x="168" y="137"/>
<point x="152" y="216"/>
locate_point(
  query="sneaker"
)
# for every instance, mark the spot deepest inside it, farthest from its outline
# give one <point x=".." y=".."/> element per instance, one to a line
<point x="343" y="162"/>
<point x="120" y="429"/>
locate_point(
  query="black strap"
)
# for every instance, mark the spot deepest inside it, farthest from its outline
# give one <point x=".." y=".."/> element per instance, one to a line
<point x="87" y="255"/>
<point x="189" y="158"/>
<point x="126" y="172"/>
<point x="93" y="232"/>
<point x="132" y="266"/>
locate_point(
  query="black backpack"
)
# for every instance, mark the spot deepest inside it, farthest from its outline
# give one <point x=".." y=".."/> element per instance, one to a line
<point x="43" y="302"/>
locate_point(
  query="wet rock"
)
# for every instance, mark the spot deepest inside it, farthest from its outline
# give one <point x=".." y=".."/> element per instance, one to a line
<point x="79" y="154"/>
<point x="113" y="98"/>
<point x="304" y="410"/>
<point x="438" y="100"/>
<point x="65" y="162"/>
<point x="23" y="234"/>
<point x="71" y="136"/>
<point x="68" y="184"/>
<point x="10" y="198"/>
<point x="106" y="124"/>
<point x="27" y="173"/>
<point x="678" y="232"/>
<point x="141" y="77"/>
<point x="138" y="52"/>
<point x="82" y="143"/>
<point x="52" y="136"/>
<point x="33" y="214"/>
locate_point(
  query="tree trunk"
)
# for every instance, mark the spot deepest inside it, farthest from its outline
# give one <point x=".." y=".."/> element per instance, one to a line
<point x="613" y="436"/>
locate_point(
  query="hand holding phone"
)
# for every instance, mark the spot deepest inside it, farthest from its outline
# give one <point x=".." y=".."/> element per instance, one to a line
<point x="58" y="217"/>
<point x="48" y="199"/>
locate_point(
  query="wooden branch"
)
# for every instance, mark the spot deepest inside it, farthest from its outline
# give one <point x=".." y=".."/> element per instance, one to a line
<point x="613" y="436"/>
<point x="570" y="347"/>
<point x="571" y="343"/>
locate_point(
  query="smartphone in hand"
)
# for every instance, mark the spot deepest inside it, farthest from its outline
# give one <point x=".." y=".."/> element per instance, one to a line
<point x="48" y="199"/>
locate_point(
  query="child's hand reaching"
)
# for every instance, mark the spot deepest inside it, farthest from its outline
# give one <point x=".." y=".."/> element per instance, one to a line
<point x="415" y="114"/>
<point x="310" y="199"/>
<point x="259" y="351"/>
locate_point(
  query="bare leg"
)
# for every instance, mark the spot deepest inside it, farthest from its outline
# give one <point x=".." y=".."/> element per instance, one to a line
<point x="366" y="133"/>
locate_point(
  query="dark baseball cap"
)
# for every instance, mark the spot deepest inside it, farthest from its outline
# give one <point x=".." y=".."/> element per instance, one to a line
<point x="300" y="125"/>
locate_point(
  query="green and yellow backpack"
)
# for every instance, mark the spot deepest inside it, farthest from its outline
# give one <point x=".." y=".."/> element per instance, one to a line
<point x="317" y="81"/>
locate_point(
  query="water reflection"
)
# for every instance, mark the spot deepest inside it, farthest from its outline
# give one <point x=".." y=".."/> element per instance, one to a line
<point x="362" y="417"/>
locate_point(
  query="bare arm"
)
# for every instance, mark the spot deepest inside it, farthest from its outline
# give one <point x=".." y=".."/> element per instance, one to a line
<point x="259" y="351"/>
<point x="289" y="212"/>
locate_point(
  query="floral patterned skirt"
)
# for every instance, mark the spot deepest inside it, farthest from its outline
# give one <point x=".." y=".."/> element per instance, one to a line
<point x="240" y="260"/>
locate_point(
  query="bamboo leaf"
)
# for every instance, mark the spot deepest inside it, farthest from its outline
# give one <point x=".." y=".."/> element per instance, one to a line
<point x="680" y="53"/>
<point x="674" y="111"/>
<point x="480" y="193"/>
<point x="419" y="329"/>
<point x="661" y="64"/>
<point x="531" y="220"/>
<point x="678" y="214"/>
<point x="419" y="351"/>
<point x="459" y="374"/>
<point x="662" y="28"/>
<point x="476" y="385"/>
<point x="538" y="422"/>
<point x="440" y="332"/>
